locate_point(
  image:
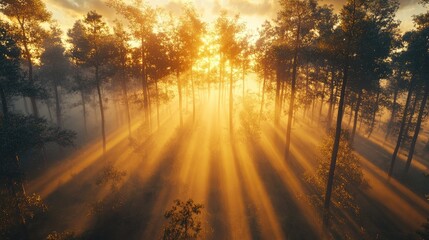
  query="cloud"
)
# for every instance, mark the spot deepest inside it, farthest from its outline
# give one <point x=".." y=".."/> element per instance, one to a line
<point x="247" y="7"/>
<point x="78" y="8"/>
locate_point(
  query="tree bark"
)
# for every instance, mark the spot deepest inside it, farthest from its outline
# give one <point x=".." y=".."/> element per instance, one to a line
<point x="263" y="96"/>
<point x="356" y="116"/>
<point x="401" y="130"/>
<point x="230" y="99"/>
<point x="371" y="128"/>
<point x="293" y="89"/>
<point x="57" y="106"/>
<point x="179" y="89"/>
<point x="100" y="102"/>
<point x="393" y="113"/>
<point x="417" y="130"/>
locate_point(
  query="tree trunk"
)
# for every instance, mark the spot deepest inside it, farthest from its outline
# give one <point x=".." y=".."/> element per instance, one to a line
<point x="410" y="118"/>
<point x="401" y="130"/>
<point x="293" y="89"/>
<point x="277" y="107"/>
<point x="392" y="116"/>
<point x="374" y="114"/>
<point x="263" y="96"/>
<point x="322" y="101"/>
<point x="127" y="106"/>
<point x="331" y="101"/>
<point x="3" y="102"/>
<point x="179" y="89"/>
<point x="193" y="96"/>
<point x="336" y="144"/>
<point x="100" y="102"/>
<point x="230" y="99"/>
<point x="84" y="112"/>
<point x="417" y="130"/>
<point x="157" y="101"/>
<point x="357" y="107"/>
<point x="57" y="106"/>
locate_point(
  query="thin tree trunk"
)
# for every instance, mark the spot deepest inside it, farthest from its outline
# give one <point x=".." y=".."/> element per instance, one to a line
<point x="127" y="106"/>
<point x="374" y="114"/>
<point x="25" y="105"/>
<point x="331" y="101"/>
<point x="193" y="97"/>
<point x="230" y="100"/>
<point x="179" y="88"/>
<point x="3" y="102"/>
<point x="263" y="96"/>
<point x="57" y="106"/>
<point x="401" y="130"/>
<point x="84" y="112"/>
<point x="322" y="101"/>
<point x="157" y="102"/>
<point x="417" y="129"/>
<point x="392" y="116"/>
<point x="357" y="107"/>
<point x="277" y="107"/>
<point x="48" y="105"/>
<point x="100" y="102"/>
<point x="293" y="89"/>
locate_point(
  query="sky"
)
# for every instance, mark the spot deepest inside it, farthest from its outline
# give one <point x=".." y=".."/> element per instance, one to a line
<point x="254" y="12"/>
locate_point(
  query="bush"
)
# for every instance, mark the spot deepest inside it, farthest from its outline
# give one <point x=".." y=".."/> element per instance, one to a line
<point x="182" y="221"/>
<point x="348" y="175"/>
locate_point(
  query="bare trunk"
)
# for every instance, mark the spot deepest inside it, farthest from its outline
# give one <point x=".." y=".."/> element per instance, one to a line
<point x="392" y="116"/>
<point x="263" y="96"/>
<point x="157" y="101"/>
<point x="100" y="102"/>
<point x="417" y="130"/>
<point x="84" y="112"/>
<point x="401" y="130"/>
<point x="331" y="102"/>
<point x="230" y="100"/>
<point x="374" y="114"/>
<point x="193" y="96"/>
<point x="357" y="107"/>
<point x="179" y="89"/>
<point x="57" y="106"/>
<point x="293" y="89"/>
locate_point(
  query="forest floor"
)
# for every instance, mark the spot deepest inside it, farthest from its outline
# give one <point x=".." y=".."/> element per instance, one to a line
<point x="248" y="189"/>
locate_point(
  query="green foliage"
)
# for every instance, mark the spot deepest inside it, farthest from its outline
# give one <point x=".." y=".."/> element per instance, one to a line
<point x="182" y="221"/>
<point x="21" y="133"/>
<point x="348" y="175"/>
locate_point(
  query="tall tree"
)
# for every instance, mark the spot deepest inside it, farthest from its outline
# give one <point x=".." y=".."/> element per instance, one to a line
<point x="55" y="67"/>
<point x="229" y="30"/>
<point x="93" y="49"/>
<point x="295" y="22"/>
<point x="142" y="19"/>
<point x="27" y="17"/>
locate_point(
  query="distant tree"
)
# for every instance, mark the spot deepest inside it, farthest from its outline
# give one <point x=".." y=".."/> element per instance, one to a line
<point x="141" y="18"/>
<point x="55" y="67"/>
<point x="182" y="221"/>
<point x="296" y="22"/>
<point x="229" y="30"/>
<point x="122" y="64"/>
<point x="92" y="47"/>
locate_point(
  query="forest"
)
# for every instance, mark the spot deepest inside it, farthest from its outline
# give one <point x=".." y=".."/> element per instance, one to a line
<point x="153" y="124"/>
